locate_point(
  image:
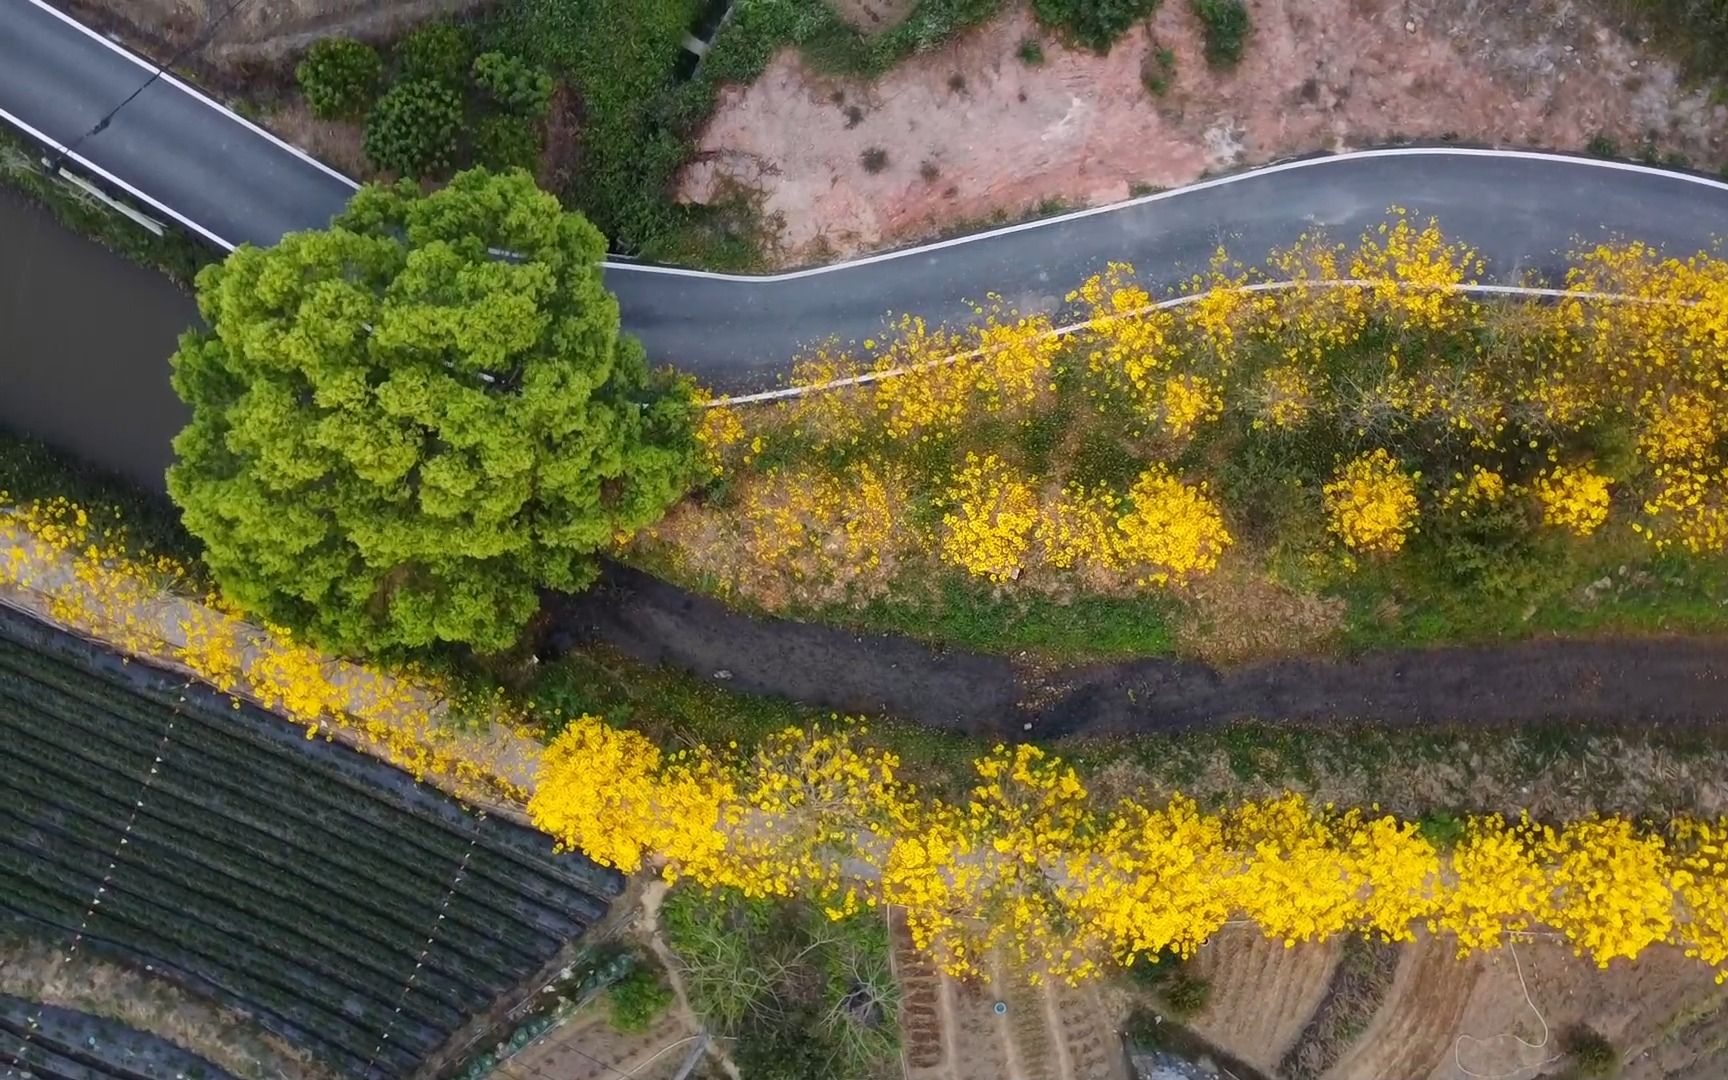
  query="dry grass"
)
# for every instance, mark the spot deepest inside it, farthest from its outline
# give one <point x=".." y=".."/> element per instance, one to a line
<point x="1556" y="774"/>
<point x="1238" y="613"/>
<point x="1359" y="984"/>
<point x="37" y="971"/>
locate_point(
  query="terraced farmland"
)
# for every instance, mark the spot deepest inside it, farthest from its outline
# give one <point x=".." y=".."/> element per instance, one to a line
<point x="347" y="908"/>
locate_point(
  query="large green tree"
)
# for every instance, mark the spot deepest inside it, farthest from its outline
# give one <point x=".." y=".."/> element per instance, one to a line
<point x="400" y="433"/>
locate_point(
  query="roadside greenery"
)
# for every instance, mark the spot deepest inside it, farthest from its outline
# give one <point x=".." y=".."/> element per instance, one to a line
<point x="438" y="52"/>
<point x="175" y="253"/>
<point x="813" y="997"/>
<point x="619" y="57"/>
<point x="1248" y="472"/>
<point x="441" y="106"/>
<point x="398" y="438"/>
<point x="339" y="77"/>
<point x="1226" y="25"/>
<point x="413" y="132"/>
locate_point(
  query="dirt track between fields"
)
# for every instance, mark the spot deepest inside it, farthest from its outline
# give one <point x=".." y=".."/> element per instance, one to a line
<point x="1667" y="680"/>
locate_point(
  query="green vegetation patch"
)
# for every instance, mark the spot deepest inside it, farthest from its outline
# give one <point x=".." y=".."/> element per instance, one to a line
<point x="808" y="998"/>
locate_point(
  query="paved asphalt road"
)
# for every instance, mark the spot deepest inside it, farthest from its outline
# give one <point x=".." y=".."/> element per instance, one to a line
<point x="236" y="184"/>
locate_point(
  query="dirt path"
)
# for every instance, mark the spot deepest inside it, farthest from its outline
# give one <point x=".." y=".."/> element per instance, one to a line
<point x="1626" y="681"/>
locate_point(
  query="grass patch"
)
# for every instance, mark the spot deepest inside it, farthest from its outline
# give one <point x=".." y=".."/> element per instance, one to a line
<point x="174" y="253"/>
<point x="959" y="611"/>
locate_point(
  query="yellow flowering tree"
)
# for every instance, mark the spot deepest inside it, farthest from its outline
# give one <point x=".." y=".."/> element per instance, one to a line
<point x="1371" y="504"/>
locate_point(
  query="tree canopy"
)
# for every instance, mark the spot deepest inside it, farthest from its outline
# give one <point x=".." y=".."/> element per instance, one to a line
<point x="400" y="434"/>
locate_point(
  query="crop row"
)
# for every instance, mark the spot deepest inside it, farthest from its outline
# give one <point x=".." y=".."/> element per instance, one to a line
<point x="147" y="871"/>
<point x="58" y="898"/>
<point x="281" y="890"/>
<point x="56" y="1033"/>
<point x="178" y="923"/>
<point x="438" y="837"/>
<point x="294" y="879"/>
<point x="128" y="751"/>
<point x="67" y="662"/>
<point x="465" y="953"/>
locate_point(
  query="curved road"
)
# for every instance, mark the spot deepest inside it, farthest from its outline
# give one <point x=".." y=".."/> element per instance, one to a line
<point x="196" y="161"/>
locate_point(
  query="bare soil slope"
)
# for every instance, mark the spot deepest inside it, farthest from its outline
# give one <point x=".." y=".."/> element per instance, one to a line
<point x="972" y="131"/>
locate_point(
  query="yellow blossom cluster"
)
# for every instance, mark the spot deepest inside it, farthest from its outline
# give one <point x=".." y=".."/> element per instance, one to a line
<point x="1323" y="350"/>
<point x="1371" y="504"/>
<point x="1031" y="864"/>
<point x="988" y="529"/>
<point x="1573" y="498"/>
<point x="1472" y="494"/>
<point x="73" y="566"/>
<point x="1412" y="272"/>
<point x="1174" y="531"/>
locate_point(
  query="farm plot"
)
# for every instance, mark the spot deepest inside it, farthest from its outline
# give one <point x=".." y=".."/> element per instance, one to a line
<point x="59" y="1044"/>
<point x="347" y="908"/>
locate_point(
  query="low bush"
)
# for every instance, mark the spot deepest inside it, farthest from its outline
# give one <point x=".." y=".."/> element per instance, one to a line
<point x="874" y="159"/>
<point x="339" y="77"/>
<point x="637" y="1000"/>
<point x="438" y="53"/>
<point x="1158" y="71"/>
<point x="1592" y="1056"/>
<point x="1096" y="24"/>
<point x="412" y="131"/>
<point x="1603" y="147"/>
<point x="513" y="83"/>
<point x="1227" y="26"/>
<point x="507" y="142"/>
<point x="1185" y="995"/>
<point x="1031" y="52"/>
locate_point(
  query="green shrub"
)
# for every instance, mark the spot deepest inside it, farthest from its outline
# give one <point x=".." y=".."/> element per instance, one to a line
<point x="339" y="77"/>
<point x="874" y="160"/>
<point x="1227" y="26"/>
<point x="412" y="132"/>
<point x="1441" y="828"/>
<point x="1592" y="1055"/>
<point x="637" y="1000"/>
<point x="787" y="1047"/>
<point x="619" y="56"/>
<point x="507" y="142"/>
<point x="1603" y="147"/>
<point x="1096" y="24"/>
<point x="1031" y="52"/>
<point x="1184" y="994"/>
<point x="513" y="83"/>
<point x="438" y="53"/>
<point x="1158" y="71"/>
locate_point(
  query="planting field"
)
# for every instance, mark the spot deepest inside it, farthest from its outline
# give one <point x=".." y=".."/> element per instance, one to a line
<point x="348" y="909"/>
<point x="59" y="1044"/>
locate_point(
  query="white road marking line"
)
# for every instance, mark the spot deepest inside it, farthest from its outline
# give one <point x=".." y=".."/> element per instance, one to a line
<point x="1177" y="301"/>
<point x="1204" y="185"/>
<point x="169" y="78"/>
<point x="117" y="182"/>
